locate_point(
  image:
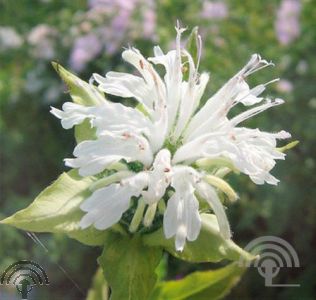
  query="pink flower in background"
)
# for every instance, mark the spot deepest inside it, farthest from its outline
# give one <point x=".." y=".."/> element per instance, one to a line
<point x="287" y="25"/>
<point x="284" y="86"/>
<point x="95" y="3"/>
<point x="149" y="19"/>
<point x="42" y="37"/>
<point x="117" y="20"/>
<point x="216" y="10"/>
<point x="9" y="38"/>
<point x="85" y="49"/>
<point x="112" y="4"/>
<point x="105" y="25"/>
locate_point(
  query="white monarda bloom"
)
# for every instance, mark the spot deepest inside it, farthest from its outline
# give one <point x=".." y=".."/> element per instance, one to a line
<point x="171" y="136"/>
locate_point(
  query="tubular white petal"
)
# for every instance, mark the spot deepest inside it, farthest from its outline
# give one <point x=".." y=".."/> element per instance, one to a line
<point x="210" y="195"/>
<point x="159" y="177"/>
<point x="105" y="206"/>
<point x="115" y="117"/>
<point x="73" y="114"/>
<point x="189" y="102"/>
<point x="170" y="219"/>
<point x="219" y="105"/>
<point x="215" y="109"/>
<point x="126" y="85"/>
<point x="182" y="218"/>
<point x="134" y="57"/>
<point x="180" y="237"/>
<point x="173" y="77"/>
<point x="254" y="111"/>
<point x="210" y="145"/>
<point x="94" y="156"/>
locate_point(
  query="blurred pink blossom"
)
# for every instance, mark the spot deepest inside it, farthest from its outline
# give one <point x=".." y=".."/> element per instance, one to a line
<point x="117" y="20"/>
<point x="124" y="4"/>
<point x="9" y="38"/>
<point x="287" y="24"/>
<point x="216" y="10"/>
<point x="284" y="86"/>
<point x="149" y="19"/>
<point x="85" y="49"/>
<point x="42" y="38"/>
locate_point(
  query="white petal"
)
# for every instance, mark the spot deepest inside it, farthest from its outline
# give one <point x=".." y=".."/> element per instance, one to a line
<point x="231" y="93"/>
<point x="134" y="57"/>
<point x="94" y="156"/>
<point x="126" y="85"/>
<point x="105" y="206"/>
<point x="170" y="221"/>
<point x="254" y="111"/>
<point x="182" y="218"/>
<point x="257" y="153"/>
<point x="108" y="206"/>
<point x="158" y="94"/>
<point x="116" y="117"/>
<point x="159" y="177"/>
<point x="209" y="194"/>
<point x="190" y="99"/>
<point x="73" y="114"/>
<point x="173" y="77"/>
<point x="210" y="145"/>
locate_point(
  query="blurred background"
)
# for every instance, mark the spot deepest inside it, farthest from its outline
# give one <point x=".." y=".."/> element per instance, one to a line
<point x="88" y="36"/>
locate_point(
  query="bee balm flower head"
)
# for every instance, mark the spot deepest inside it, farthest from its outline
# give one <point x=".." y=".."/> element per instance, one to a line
<point x="161" y="148"/>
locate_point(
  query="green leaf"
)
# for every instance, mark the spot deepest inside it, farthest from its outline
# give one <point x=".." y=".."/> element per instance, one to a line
<point x="214" y="284"/>
<point x="99" y="289"/>
<point x="162" y="268"/>
<point x="56" y="209"/>
<point x="129" y="266"/>
<point x="210" y="246"/>
<point x="81" y="92"/>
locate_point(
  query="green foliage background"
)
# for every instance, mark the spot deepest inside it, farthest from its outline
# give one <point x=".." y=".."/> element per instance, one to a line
<point x="33" y="144"/>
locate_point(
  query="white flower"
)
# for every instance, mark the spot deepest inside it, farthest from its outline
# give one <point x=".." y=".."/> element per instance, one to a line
<point x="169" y="135"/>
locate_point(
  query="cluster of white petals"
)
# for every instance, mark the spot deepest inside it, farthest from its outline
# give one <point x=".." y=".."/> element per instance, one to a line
<point x="170" y="115"/>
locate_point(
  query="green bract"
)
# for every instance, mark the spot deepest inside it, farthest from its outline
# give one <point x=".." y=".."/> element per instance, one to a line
<point x="210" y="246"/>
<point x="57" y="210"/>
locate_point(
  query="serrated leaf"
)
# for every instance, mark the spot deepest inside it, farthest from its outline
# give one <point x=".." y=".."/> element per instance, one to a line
<point x="99" y="289"/>
<point x="210" y="246"/>
<point x="129" y="266"/>
<point x="56" y="209"/>
<point x="214" y="284"/>
<point x="81" y="92"/>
